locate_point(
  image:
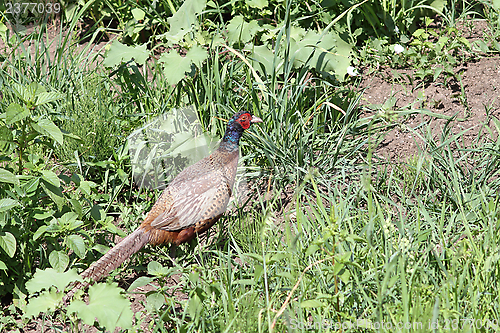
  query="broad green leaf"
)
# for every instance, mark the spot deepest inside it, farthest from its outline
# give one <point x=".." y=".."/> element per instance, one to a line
<point x="122" y="174"/>
<point x="179" y="139"/>
<point x="3" y="31"/>
<point x="194" y="306"/>
<point x="113" y="229"/>
<point x="4" y="218"/>
<point x="50" y="277"/>
<point x="8" y="243"/>
<point x="194" y="148"/>
<point x="3" y="266"/>
<point x="77" y="206"/>
<point x="7" y="203"/>
<point x="312" y="303"/>
<point x="257" y="3"/>
<point x="51" y="178"/>
<point x="15" y="113"/>
<point x="39" y="232"/>
<point x="138" y="14"/>
<point x="6" y="138"/>
<point x="286" y="275"/>
<point x="140" y="282"/>
<point x="262" y="55"/>
<point x="245" y="282"/>
<point x="31" y="186"/>
<point x="278" y="257"/>
<point x="481" y="45"/>
<point x="70" y="11"/>
<point x="47" y="127"/>
<point x="8" y="177"/>
<point x="72" y="136"/>
<point x="175" y="66"/>
<point x="342" y="56"/>
<point x="438" y="5"/>
<point x="464" y="41"/>
<point x="328" y="53"/>
<point x="184" y="20"/>
<point x="70" y="220"/>
<point x="102" y="249"/>
<point x="312" y="248"/>
<point x="322" y="50"/>
<point x="496" y="5"/>
<point x="496" y="45"/>
<point x="28" y="93"/>
<point x="76" y="243"/>
<point x="34" y="89"/>
<point x="119" y="53"/>
<point x="55" y="194"/>
<point x="197" y="55"/>
<point x="297" y="33"/>
<point x="54" y="226"/>
<point x="154" y="302"/>
<point x="107" y="305"/>
<point x="255" y="256"/>
<point x="345" y="276"/>
<point x="59" y="260"/>
<point x="355" y="238"/>
<point x="240" y="31"/>
<point x="47" y="97"/>
<point x="43" y="215"/>
<point x="85" y="186"/>
<point x="97" y="212"/>
<point x="46" y="301"/>
<point x="18" y="89"/>
<point x="155" y="268"/>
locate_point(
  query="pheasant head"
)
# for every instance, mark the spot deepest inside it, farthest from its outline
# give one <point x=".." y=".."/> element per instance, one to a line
<point x="235" y="127"/>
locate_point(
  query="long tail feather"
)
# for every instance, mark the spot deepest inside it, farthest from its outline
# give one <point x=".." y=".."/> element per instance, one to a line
<point x="112" y="259"/>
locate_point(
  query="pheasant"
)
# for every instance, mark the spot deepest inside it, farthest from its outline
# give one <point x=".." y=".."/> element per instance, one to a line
<point x="190" y="205"/>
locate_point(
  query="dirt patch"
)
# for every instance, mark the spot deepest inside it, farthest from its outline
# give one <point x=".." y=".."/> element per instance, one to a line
<point x="473" y="100"/>
<point x="473" y="103"/>
<point x="52" y="39"/>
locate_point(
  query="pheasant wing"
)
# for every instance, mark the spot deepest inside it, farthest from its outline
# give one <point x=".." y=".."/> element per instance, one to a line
<point x="201" y="198"/>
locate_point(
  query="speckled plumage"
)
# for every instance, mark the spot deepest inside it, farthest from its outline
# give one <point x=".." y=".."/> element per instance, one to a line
<point x="191" y="203"/>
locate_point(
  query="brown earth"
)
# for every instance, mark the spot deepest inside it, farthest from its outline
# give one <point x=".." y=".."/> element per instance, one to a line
<point x="474" y="101"/>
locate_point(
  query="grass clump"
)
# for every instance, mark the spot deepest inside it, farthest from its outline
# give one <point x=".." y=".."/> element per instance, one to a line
<point x="97" y="118"/>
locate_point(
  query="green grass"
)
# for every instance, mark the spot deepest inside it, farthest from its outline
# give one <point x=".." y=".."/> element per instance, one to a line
<point x="383" y="255"/>
<point x="93" y="116"/>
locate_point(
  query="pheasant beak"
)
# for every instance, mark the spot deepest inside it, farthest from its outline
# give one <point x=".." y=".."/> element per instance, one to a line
<point x="256" y="120"/>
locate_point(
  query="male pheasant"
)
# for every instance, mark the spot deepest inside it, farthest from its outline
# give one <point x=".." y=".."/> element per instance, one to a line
<point x="191" y="203"/>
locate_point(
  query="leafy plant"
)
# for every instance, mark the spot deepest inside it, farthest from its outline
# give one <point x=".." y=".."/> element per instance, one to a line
<point x="23" y="124"/>
<point x="37" y="212"/>
<point x="429" y="57"/>
<point x="431" y="53"/>
<point x="106" y="304"/>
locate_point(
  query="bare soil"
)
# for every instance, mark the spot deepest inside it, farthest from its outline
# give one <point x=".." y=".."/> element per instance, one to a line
<point x="474" y="101"/>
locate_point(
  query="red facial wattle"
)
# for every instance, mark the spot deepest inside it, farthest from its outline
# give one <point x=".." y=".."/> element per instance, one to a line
<point x="244" y="120"/>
